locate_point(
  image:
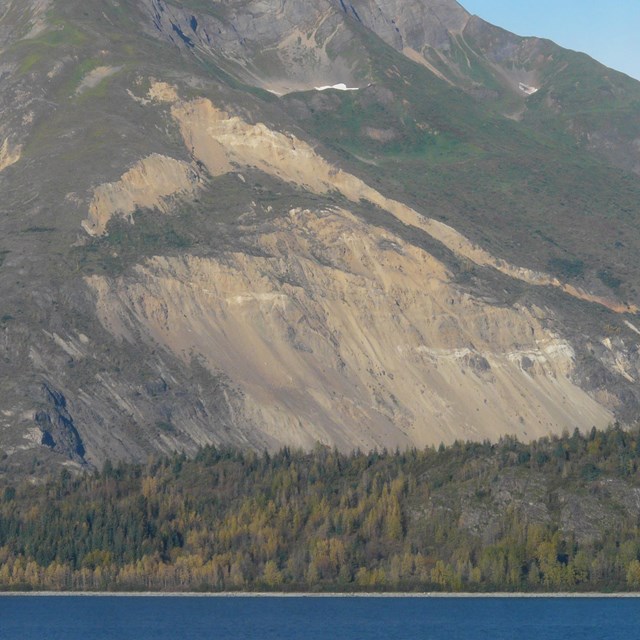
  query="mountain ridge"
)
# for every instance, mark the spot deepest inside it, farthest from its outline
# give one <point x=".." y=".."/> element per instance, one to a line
<point x="146" y="157"/>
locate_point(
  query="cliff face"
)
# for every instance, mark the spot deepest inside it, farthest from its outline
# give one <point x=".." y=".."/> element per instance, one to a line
<point x="367" y="224"/>
<point x="344" y="334"/>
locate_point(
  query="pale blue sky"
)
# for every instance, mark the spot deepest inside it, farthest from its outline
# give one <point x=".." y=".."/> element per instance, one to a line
<point x="608" y="30"/>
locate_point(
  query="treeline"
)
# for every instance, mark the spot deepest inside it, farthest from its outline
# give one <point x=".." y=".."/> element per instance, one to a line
<point x="558" y="514"/>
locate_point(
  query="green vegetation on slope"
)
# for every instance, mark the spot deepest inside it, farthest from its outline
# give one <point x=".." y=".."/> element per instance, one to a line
<point x="558" y="514"/>
<point x="525" y="193"/>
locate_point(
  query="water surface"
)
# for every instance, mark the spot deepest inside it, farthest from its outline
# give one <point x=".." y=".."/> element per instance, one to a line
<point x="308" y="618"/>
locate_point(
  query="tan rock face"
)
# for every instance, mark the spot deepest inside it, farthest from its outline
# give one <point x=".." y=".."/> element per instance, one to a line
<point x="9" y="154"/>
<point x="220" y="141"/>
<point x="146" y="184"/>
<point x="346" y="335"/>
<point x="334" y="330"/>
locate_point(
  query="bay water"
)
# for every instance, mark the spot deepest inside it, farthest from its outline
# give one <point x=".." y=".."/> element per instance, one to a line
<point x="317" y="618"/>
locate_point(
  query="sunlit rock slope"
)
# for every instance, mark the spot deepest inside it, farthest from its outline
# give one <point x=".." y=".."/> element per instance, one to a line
<point x="265" y="223"/>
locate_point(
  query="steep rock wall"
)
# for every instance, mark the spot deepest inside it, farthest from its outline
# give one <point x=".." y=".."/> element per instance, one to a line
<point x="146" y="184"/>
<point x="345" y="334"/>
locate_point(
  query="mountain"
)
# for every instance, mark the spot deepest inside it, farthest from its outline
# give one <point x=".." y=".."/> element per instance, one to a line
<point x="259" y="223"/>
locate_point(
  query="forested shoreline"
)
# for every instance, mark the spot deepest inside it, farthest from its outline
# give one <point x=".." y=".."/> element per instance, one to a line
<point x="559" y="514"/>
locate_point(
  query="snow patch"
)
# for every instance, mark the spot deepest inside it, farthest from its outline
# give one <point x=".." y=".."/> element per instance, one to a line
<point x="284" y="90"/>
<point x="525" y="88"/>
<point x="341" y="86"/>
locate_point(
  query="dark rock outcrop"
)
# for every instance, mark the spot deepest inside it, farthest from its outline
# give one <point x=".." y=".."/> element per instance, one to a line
<point x="56" y="423"/>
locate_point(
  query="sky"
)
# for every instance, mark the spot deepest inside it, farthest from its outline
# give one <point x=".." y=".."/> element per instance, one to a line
<point x="608" y="31"/>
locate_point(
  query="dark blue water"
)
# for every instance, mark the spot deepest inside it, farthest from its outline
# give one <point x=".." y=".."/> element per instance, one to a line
<point x="146" y="618"/>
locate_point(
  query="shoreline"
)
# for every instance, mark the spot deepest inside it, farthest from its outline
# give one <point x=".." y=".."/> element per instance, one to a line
<point x="302" y="594"/>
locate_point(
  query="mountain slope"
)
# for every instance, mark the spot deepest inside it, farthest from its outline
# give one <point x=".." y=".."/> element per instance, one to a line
<point x="595" y="107"/>
<point x="200" y="247"/>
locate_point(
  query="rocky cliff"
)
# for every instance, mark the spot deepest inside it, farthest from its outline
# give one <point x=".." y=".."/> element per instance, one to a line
<point x="366" y="224"/>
